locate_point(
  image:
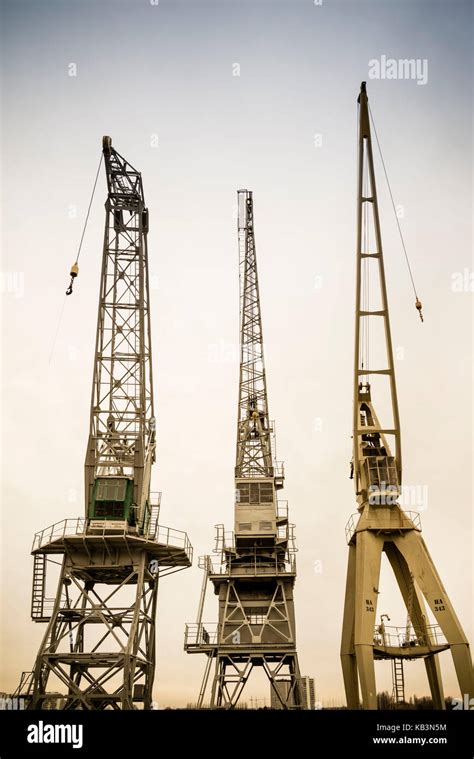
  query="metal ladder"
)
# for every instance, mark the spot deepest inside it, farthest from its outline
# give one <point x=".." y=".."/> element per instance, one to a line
<point x="39" y="587"/>
<point x="151" y="528"/>
<point x="398" y="680"/>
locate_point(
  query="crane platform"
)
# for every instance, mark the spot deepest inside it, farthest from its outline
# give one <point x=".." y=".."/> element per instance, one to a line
<point x="393" y="643"/>
<point x="169" y="546"/>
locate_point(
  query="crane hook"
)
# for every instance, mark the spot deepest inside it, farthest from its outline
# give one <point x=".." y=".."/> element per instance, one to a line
<point x="74" y="272"/>
<point x="419" y="306"/>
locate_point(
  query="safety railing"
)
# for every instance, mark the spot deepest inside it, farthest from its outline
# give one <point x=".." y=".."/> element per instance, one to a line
<point x="351" y="526"/>
<point x="291" y="539"/>
<point x="279" y="470"/>
<point x="282" y="510"/>
<point x="201" y="635"/>
<point x="405" y="520"/>
<point x="171" y="537"/>
<point x="205" y="562"/>
<point x="78" y="527"/>
<point x="225" y="539"/>
<point x="282" y="531"/>
<point x="397" y="637"/>
<point x="59" y="530"/>
<point x="256" y="564"/>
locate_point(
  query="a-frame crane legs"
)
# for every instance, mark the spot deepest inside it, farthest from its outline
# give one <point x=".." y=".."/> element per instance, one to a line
<point x="414" y="550"/>
<point x="348" y="658"/>
<point x="411" y="562"/>
<point x="435" y="681"/>
<point x="418" y="618"/>
<point x="367" y="572"/>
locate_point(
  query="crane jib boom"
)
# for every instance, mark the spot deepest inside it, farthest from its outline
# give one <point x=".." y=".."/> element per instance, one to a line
<point x="121" y="445"/>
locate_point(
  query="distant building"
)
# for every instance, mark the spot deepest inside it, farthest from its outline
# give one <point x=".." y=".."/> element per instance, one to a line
<point x="10" y="702"/>
<point x="54" y="701"/>
<point x="283" y="688"/>
<point x="308" y="695"/>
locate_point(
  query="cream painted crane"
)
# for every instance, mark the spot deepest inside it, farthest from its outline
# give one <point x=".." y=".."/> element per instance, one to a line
<point x="381" y="525"/>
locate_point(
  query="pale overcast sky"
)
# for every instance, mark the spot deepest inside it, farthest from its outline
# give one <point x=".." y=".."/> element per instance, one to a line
<point x="161" y="80"/>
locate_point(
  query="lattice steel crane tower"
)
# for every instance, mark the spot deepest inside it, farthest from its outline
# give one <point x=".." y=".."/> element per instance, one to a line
<point x="99" y="644"/>
<point x="256" y="574"/>
<point x="381" y="524"/>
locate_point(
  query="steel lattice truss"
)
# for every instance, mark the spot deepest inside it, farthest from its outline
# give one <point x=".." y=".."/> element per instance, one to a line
<point x="275" y="616"/>
<point x="100" y="641"/>
<point x="254" y="453"/>
<point x="256" y="626"/>
<point x="122" y="416"/>
<point x="371" y="305"/>
<point x="233" y="672"/>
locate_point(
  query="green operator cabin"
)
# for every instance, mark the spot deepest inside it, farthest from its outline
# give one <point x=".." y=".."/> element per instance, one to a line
<point x="112" y="498"/>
